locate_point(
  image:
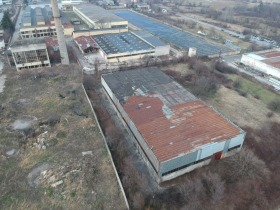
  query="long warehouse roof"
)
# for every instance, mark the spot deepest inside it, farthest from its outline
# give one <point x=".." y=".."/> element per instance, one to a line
<point x="96" y="13"/>
<point x="171" y="120"/>
<point x="270" y="57"/>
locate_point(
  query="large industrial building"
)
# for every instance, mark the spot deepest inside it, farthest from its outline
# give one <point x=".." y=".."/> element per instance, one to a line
<point x="126" y="46"/>
<point x="37" y="22"/>
<point x="5" y="2"/>
<point x="98" y="18"/>
<point x="71" y="2"/>
<point x="267" y="61"/>
<point x="30" y="53"/>
<point x="174" y="131"/>
<point x="122" y="47"/>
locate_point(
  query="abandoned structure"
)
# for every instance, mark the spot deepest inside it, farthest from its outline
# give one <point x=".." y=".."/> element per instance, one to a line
<point x="52" y="43"/>
<point x="98" y="18"/>
<point x="174" y="131"/>
<point x="30" y="53"/>
<point x="268" y="62"/>
<point x="128" y="45"/>
<point x="122" y="47"/>
<point x="37" y="22"/>
<point x="86" y="44"/>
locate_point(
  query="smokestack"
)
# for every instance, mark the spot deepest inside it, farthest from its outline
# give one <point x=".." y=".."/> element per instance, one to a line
<point x="60" y="35"/>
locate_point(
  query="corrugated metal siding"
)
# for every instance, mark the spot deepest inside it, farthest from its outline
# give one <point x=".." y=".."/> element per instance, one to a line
<point x="178" y="162"/>
<point x="144" y="145"/>
<point x="238" y="140"/>
<point x="205" y="151"/>
<point x="151" y="157"/>
<point x="210" y="149"/>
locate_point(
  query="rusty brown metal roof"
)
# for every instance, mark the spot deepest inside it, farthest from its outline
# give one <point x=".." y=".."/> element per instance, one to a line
<point x="171" y="131"/>
<point x="275" y="62"/>
<point x="85" y="42"/>
<point x="270" y="54"/>
<point x="51" y="41"/>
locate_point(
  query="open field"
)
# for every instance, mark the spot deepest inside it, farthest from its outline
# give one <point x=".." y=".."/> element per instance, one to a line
<point x="251" y="110"/>
<point x="52" y="155"/>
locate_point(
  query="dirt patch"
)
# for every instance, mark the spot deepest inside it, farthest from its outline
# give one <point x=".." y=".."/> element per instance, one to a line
<point x="35" y="173"/>
<point x="245" y="111"/>
<point x="23" y="122"/>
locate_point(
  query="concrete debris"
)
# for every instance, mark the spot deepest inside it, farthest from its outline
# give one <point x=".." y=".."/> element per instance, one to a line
<point x="41" y="141"/>
<point x="33" y="176"/>
<point x="57" y="183"/>
<point x="52" y="178"/>
<point x="87" y="153"/>
<point x="11" y="152"/>
<point x="44" y="173"/>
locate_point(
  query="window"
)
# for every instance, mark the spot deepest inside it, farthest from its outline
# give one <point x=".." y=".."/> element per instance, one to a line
<point x="235" y="147"/>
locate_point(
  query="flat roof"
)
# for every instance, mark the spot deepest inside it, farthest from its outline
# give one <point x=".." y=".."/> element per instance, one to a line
<point x="25" y="42"/>
<point x="171" y="120"/>
<point x="32" y="16"/>
<point x="269" y="54"/>
<point x="156" y="42"/>
<point x="96" y="13"/>
<point x="121" y="43"/>
<point x="85" y="42"/>
<point x="269" y="57"/>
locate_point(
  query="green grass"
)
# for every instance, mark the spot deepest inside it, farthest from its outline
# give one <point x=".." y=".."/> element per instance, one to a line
<point x="61" y="135"/>
<point x="255" y="89"/>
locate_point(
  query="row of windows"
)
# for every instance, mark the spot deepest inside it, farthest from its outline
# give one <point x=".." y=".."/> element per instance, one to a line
<point x="38" y="31"/>
<point x="37" y="35"/>
<point x="35" y="66"/>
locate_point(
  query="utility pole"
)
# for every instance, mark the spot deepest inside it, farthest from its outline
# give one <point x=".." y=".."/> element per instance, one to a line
<point x="59" y="32"/>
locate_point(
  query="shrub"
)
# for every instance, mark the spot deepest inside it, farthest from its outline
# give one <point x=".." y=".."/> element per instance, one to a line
<point x="270" y="114"/>
<point x="205" y="86"/>
<point x="224" y="68"/>
<point x="237" y="84"/>
<point x="242" y="93"/>
<point x="274" y="105"/>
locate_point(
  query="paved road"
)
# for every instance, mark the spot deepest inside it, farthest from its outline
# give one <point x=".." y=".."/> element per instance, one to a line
<point x="233" y="33"/>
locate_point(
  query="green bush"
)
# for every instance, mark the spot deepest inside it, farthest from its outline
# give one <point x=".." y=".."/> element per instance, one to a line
<point x="274" y="105"/>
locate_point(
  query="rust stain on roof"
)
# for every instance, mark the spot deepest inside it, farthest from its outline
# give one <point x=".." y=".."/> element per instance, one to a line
<point x="85" y="42"/>
<point x="171" y="131"/>
<point x="51" y="41"/>
<point x="270" y="54"/>
<point x="275" y="62"/>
